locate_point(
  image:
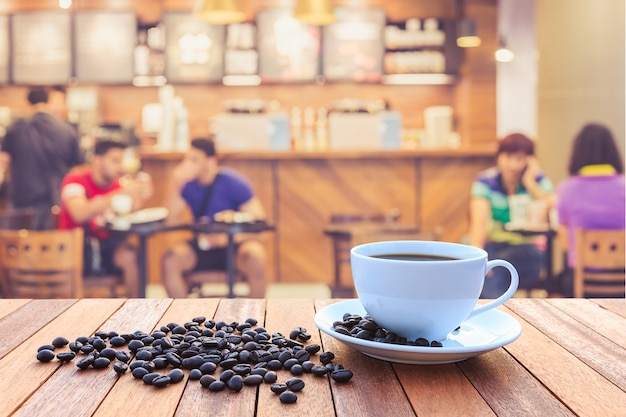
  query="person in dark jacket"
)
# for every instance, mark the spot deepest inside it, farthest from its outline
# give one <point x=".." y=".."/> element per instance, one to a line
<point x="40" y="150"/>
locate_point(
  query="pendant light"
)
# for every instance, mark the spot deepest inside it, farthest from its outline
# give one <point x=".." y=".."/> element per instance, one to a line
<point x="219" y="12"/>
<point x="466" y="34"/>
<point x="504" y="54"/>
<point x="314" y="12"/>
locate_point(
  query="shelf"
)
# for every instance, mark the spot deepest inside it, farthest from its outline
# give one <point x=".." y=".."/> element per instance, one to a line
<point x="419" y="79"/>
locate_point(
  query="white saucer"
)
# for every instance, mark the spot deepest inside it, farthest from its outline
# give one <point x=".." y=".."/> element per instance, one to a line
<point x="487" y="331"/>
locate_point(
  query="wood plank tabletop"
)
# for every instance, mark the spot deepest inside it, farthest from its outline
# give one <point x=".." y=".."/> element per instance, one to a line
<point x="568" y="361"/>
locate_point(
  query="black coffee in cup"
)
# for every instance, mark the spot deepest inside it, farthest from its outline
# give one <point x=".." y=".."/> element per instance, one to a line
<point x="414" y="257"/>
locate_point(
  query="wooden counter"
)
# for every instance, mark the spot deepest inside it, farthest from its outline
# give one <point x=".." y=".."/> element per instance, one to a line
<point x="300" y="190"/>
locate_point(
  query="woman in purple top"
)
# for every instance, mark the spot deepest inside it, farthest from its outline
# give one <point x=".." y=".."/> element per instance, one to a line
<point x="593" y="196"/>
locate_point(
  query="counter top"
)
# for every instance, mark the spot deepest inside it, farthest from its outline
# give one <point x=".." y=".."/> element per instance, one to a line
<point x="568" y="361"/>
<point x="484" y="151"/>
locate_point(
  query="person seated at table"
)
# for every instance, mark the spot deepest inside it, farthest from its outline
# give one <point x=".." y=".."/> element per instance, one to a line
<point x="593" y="196"/>
<point x="516" y="172"/>
<point x="86" y="202"/>
<point x="208" y="190"/>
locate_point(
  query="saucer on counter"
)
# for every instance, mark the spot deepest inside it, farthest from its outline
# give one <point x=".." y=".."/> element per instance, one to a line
<point x="480" y="334"/>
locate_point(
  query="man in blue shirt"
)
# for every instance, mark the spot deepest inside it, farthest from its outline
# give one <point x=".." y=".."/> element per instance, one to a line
<point x="207" y="190"/>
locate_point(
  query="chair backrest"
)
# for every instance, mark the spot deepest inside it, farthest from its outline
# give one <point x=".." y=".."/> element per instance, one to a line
<point x="17" y="219"/>
<point x="600" y="262"/>
<point x="42" y="264"/>
<point x="391" y="216"/>
<point x="360" y="237"/>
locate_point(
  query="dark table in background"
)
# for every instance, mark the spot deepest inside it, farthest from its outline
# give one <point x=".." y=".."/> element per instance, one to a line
<point x="144" y="230"/>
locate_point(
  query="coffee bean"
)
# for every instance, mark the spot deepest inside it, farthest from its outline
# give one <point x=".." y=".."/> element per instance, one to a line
<point x="134" y="345"/>
<point x="120" y="367"/>
<point x="295" y="384"/>
<point x="85" y="362"/>
<point x="242" y="369"/>
<point x="341" y="375"/>
<point x="312" y="349"/>
<point x="45" y="355"/>
<point x="278" y="388"/>
<point x="195" y="374"/>
<point x="252" y="380"/>
<point x="149" y="377"/>
<point x="139" y="372"/>
<point x="318" y="370"/>
<point x="288" y="397"/>
<point x="101" y="362"/>
<point x="108" y="353"/>
<point x="206" y="380"/>
<point x="46" y="347"/>
<point x="270" y="377"/>
<point x="289" y="363"/>
<point x="235" y="383"/>
<point x="161" y="381"/>
<point x="176" y="375"/>
<point x="420" y="341"/>
<point x="99" y="344"/>
<point x="436" y="343"/>
<point x="217" y="386"/>
<point x="208" y="368"/>
<point x="60" y="341"/>
<point x="87" y="349"/>
<point x="66" y="356"/>
<point x="160" y="362"/>
<point x="75" y="346"/>
<point x="226" y="375"/>
<point x="228" y="363"/>
<point x="327" y="357"/>
<point x="296" y="370"/>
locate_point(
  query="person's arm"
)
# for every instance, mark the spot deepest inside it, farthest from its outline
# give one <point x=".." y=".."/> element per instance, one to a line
<point x="176" y="204"/>
<point x="534" y="188"/>
<point x="254" y="207"/>
<point x="5" y="162"/>
<point x="79" y="207"/>
<point x="480" y="215"/>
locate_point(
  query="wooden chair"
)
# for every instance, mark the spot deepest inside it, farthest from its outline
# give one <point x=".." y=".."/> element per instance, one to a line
<point x="49" y="264"/>
<point x="42" y="264"/>
<point x="340" y="231"/>
<point x="599" y="270"/>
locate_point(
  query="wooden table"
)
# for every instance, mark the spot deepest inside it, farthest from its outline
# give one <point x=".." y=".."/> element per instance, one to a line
<point x="568" y="361"/>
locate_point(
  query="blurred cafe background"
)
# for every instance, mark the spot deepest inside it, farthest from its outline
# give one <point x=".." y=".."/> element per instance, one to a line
<point x="372" y="107"/>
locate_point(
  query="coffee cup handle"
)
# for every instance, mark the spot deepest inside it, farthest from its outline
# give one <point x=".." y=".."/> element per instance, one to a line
<point x="507" y="294"/>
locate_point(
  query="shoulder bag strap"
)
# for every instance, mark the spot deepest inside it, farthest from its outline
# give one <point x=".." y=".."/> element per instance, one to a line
<point x="206" y="198"/>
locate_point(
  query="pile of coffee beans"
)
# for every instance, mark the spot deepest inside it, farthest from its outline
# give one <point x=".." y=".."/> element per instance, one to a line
<point x="245" y="354"/>
<point x="367" y="329"/>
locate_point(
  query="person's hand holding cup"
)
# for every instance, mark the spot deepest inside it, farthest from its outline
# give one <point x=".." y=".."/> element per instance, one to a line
<point x="122" y="206"/>
<point x="423" y="289"/>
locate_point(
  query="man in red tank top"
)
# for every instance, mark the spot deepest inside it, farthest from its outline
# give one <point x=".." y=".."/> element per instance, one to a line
<point x="86" y="201"/>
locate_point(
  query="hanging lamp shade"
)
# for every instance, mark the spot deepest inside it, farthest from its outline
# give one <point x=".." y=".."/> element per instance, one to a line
<point x="314" y="12"/>
<point x="466" y="34"/>
<point x="219" y="12"/>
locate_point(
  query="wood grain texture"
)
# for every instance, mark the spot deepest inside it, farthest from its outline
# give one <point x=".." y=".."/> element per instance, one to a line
<point x="584" y="342"/>
<point x="615" y="305"/>
<point x="19" y="325"/>
<point x="373" y="391"/>
<point x="608" y="324"/>
<point x="508" y="388"/>
<point x="569" y="379"/>
<point x="197" y="400"/>
<point x="283" y="315"/>
<point x="116" y="404"/>
<point x="444" y="194"/>
<point x="82" y="392"/>
<point x="11" y="305"/>
<point x="22" y="374"/>
<point x="310" y="191"/>
<point x="423" y="384"/>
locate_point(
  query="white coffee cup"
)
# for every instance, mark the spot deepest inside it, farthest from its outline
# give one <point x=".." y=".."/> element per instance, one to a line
<point x="423" y="298"/>
<point x="121" y="204"/>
